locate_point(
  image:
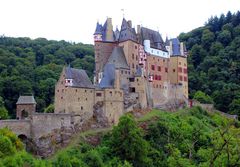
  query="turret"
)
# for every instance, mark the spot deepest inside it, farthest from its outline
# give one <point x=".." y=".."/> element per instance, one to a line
<point x="98" y="33"/>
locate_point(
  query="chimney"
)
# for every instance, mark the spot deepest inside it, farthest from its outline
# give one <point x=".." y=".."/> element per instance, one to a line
<point x="138" y="29"/>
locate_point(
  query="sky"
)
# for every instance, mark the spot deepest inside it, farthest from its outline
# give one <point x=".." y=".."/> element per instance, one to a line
<point x="75" y="20"/>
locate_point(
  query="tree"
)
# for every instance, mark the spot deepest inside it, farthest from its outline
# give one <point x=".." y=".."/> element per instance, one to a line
<point x="202" y="97"/>
<point x="49" y="109"/>
<point x="234" y="107"/>
<point x="127" y="142"/>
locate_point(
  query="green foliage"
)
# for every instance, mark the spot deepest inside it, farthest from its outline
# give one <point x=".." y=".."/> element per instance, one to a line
<point x="214" y="59"/>
<point x="202" y="97"/>
<point x="34" y="66"/>
<point x="49" y="109"/>
<point x="3" y="110"/>
<point x="127" y="142"/>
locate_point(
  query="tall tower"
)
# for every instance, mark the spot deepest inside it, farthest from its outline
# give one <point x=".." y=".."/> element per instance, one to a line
<point x="178" y="64"/>
<point x="104" y="43"/>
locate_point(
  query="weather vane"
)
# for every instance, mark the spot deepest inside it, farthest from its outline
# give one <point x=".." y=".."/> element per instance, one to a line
<point x="123" y="12"/>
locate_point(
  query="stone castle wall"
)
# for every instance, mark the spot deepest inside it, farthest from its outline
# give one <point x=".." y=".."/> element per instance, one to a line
<point x="20" y="127"/>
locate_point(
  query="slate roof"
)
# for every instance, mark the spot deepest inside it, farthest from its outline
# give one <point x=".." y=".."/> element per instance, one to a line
<point x="155" y="38"/>
<point x="26" y="100"/>
<point x="118" y="58"/>
<point x="127" y="32"/>
<point x="98" y="29"/>
<point x="108" y="76"/>
<point x="79" y="76"/>
<point x="175" y="47"/>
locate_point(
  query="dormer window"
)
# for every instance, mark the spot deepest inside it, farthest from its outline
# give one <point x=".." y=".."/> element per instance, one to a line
<point x="68" y="82"/>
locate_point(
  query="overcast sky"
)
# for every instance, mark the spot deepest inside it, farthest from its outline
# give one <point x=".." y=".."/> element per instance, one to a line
<point x="75" y="20"/>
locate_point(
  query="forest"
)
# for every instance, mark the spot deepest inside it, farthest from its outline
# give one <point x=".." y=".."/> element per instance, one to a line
<point x="214" y="61"/>
<point x="187" y="138"/>
<point x="34" y="66"/>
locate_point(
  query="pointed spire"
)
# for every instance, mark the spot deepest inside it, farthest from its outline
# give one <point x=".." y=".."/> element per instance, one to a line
<point x="98" y="29"/>
<point x="167" y="41"/>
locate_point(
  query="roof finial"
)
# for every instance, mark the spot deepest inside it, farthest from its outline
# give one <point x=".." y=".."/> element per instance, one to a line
<point x="123" y="13"/>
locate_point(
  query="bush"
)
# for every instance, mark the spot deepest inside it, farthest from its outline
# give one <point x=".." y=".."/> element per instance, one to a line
<point x="202" y="97"/>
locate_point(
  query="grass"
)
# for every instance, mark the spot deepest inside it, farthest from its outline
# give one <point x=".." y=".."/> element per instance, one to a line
<point x="152" y="114"/>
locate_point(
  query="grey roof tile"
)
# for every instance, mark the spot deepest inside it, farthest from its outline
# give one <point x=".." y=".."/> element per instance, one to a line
<point x="108" y="76"/>
<point x="26" y="100"/>
<point x="79" y="76"/>
<point x="175" y="47"/>
<point x="155" y="38"/>
<point x="118" y="58"/>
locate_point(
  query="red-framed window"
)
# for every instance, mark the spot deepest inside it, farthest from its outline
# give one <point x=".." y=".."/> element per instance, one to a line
<point x="185" y="70"/>
<point x="180" y="78"/>
<point x="153" y="67"/>
<point x="159" y="68"/>
<point x="166" y="69"/>
<point x="185" y="78"/>
<point x="180" y="69"/>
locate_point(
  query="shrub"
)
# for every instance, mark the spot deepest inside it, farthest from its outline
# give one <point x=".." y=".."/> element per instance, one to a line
<point x="202" y="97"/>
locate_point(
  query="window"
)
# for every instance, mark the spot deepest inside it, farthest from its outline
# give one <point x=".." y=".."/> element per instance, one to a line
<point x="133" y="56"/>
<point x="166" y="69"/>
<point x="156" y="77"/>
<point x="121" y="71"/>
<point x="153" y="67"/>
<point x="185" y="65"/>
<point x="61" y="97"/>
<point x="78" y="99"/>
<point x="76" y="90"/>
<point x="180" y="69"/>
<point x="136" y="67"/>
<point x="159" y="68"/>
<point x="81" y="107"/>
<point x="85" y="90"/>
<point x="110" y="93"/>
<point x="135" y="46"/>
<point x="131" y="79"/>
<point x="179" y="63"/>
<point x="132" y="89"/>
<point x="57" y="90"/>
<point x="125" y="72"/>
<point x="136" y="57"/>
<point x="98" y="94"/>
<point x="86" y="99"/>
<point x="163" y="60"/>
<point x="185" y="71"/>
<point x="159" y="77"/>
<point x="185" y="78"/>
<point x="180" y="78"/>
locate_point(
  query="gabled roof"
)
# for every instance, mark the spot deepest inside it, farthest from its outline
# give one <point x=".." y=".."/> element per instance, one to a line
<point x="155" y="38"/>
<point x="118" y="58"/>
<point x="127" y="32"/>
<point x="108" y="76"/>
<point x="175" y="47"/>
<point x="79" y="77"/>
<point x="26" y="100"/>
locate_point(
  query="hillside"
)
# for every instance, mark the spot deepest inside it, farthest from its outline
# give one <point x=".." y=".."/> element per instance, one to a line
<point x="190" y="137"/>
<point x="33" y="66"/>
<point x="214" y="61"/>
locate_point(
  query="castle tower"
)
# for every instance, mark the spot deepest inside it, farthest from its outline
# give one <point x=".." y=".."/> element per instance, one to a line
<point x="178" y="65"/>
<point x="26" y="106"/>
<point x="104" y="42"/>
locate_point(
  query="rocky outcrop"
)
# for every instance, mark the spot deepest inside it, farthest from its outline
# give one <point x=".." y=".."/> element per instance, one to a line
<point x="48" y="144"/>
<point x="99" y="116"/>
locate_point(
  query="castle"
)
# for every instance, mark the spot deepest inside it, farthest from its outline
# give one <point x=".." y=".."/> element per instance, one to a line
<point x="134" y="70"/>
